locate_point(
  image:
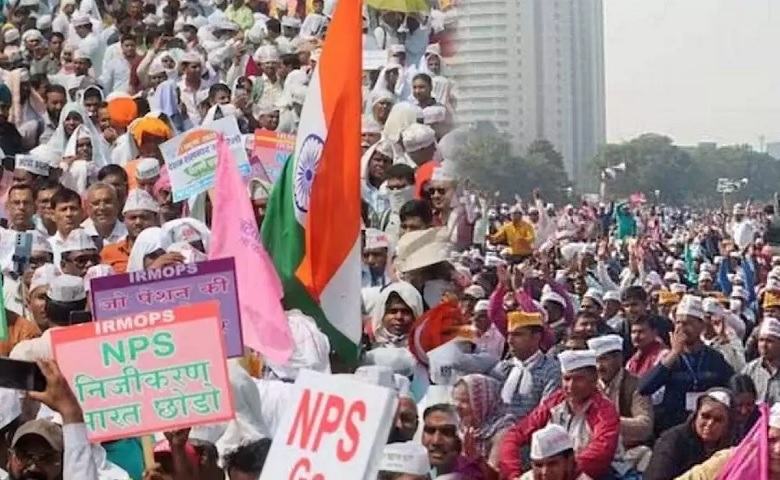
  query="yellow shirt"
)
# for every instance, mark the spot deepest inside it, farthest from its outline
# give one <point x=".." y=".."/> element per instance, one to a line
<point x="518" y="236"/>
<point x="242" y="16"/>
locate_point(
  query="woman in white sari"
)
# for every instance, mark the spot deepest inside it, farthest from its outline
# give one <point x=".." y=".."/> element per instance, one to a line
<point x="86" y="152"/>
<point x="73" y="114"/>
<point x="398" y="306"/>
<point x="379" y="105"/>
<point x="392" y="78"/>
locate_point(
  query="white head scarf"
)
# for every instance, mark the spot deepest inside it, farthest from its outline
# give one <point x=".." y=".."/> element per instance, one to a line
<point x="59" y="140"/>
<point x="402" y="89"/>
<point x="148" y="241"/>
<point x="168" y="228"/>
<point x="411" y="298"/>
<point x="384" y="147"/>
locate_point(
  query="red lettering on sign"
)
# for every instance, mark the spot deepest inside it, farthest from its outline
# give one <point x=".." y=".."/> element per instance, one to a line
<point x="305" y="419"/>
<point x="317" y="418"/>
<point x="301" y="466"/>
<point x="356" y="414"/>
<point x="331" y="419"/>
<point x="300" y="470"/>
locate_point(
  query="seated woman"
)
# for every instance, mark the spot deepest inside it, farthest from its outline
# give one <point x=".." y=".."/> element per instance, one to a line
<point x="398" y="306"/>
<point x="484" y="419"/>
<point x="706" y="431"/>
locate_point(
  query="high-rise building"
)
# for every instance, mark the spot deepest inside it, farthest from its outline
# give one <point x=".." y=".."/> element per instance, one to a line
<point x="535" y="68"/>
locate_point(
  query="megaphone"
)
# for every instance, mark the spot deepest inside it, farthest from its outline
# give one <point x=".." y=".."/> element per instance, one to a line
<point x="621" y="166"/>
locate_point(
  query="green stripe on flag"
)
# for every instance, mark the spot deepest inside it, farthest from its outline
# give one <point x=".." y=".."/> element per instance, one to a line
<point x="285" y="241"/>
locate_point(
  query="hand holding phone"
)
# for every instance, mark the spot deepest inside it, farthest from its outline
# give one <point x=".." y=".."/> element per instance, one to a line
<point x="20" y="375"/>
<point x="57" y="394"/>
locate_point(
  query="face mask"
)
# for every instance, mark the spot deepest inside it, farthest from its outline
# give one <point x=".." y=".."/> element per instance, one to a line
<point x="434" y="290"/>
<point x="399" y="197"/>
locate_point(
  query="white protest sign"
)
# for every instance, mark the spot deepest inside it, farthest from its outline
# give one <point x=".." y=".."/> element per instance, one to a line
<point x="335" y="429"/>
<point x="374" y="59"/>
<point x="191" y="157"/>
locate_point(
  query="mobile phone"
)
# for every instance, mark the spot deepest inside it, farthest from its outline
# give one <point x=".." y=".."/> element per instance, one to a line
<point x="20" y="375"/>
<point x="79" y="316"/>
<point x="22" y="252"/>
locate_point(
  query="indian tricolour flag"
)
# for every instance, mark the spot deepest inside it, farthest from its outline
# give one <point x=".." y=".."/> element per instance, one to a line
<point x="312" y="223"/>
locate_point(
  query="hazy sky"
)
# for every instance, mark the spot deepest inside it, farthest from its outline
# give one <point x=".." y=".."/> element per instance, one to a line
<point x="696" y="70"/>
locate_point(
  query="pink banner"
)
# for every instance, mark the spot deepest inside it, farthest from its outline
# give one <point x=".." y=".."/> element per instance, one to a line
<point x="147" y="372"/>
<point x="750" y="459"/>
<point x="263" y="321"/>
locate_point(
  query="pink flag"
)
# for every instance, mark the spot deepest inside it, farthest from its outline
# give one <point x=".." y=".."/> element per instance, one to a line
<point x="750" y="459"/>
<point x="234" y="234"/>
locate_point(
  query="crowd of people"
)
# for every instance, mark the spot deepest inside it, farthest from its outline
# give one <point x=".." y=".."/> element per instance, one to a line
<point x="592" y="341"/>
<point x="524" y="341"/>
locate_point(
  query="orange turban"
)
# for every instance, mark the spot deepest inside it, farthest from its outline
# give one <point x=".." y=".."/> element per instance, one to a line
<point x="422" y="176"/>
<point x="436" y="327"/>
<point x="149" y="126"/>
<point x="122" y="111"/>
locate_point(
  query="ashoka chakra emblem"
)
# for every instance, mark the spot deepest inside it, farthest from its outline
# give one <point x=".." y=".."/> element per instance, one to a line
<point x="305" y="169"/>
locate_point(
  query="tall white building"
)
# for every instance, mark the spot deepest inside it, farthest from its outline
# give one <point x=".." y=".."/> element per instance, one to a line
<point x="535" y="68"/>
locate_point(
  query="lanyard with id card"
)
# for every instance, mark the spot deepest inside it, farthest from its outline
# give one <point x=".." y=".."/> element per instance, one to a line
<point x="691" y="398"/>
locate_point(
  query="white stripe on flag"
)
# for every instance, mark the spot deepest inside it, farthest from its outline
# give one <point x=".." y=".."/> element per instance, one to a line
<point x="340" y="299"/>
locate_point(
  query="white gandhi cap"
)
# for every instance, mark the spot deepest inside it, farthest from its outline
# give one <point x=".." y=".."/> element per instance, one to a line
<point x="78" y="240"/>
<point x="43" y="276"/>
<point x="40" y="243"/>
<point x="148" y="168"/>
<point x="550" y="441"/>
<point x="67" y="288"/>
<point x="376" y="239"/>
<point x="770" y="326"/>
<point x="712" y="307"/>
<point x="415" y="137"/>
<point x="606" y="344"/>
<point x="138" y="199"/>
<point x="575" y="359"/>
<point x="410" y="458"/>
<point x="690" y="305"/>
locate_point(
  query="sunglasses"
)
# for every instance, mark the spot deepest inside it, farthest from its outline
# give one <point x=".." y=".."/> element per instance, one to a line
<point x="440" y="190"/>
<point x="82" y="260"/>
<point x="37" y="261"/>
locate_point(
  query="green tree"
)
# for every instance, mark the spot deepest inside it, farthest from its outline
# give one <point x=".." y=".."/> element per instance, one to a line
<point x="686" y="175"/>
<point x="486" y="159"/>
